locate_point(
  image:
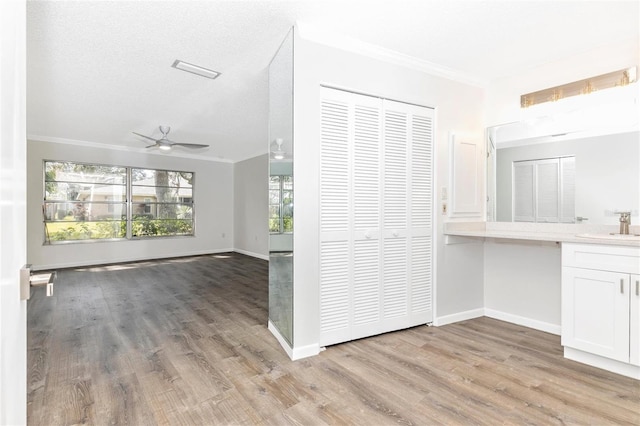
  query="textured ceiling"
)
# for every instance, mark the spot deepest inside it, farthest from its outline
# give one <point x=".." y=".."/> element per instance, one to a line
<point x="96" y="71"/>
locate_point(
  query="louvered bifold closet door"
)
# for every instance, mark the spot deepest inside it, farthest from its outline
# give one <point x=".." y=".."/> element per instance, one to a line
<point x="376" y="216"/>
<point x="407" y="200"/>
<point x="349" y="216"/>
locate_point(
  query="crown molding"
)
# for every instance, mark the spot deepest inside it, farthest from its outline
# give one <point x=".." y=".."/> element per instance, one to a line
<point x="312" y="33"/>
<point x="87" y="144"/>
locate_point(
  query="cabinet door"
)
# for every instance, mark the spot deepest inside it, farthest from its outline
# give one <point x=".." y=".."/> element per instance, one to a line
<point x="634" y="335"/>
<point x="595" y="315"/>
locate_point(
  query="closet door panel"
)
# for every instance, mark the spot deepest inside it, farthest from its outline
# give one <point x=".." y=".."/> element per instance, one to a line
<point x="366" y="168"/>
<point x="335" y="293"/>
<point x="568" y="190"/>
<point x="524" y="191"/>
<point x="420" y="280"/>
<point x="420" y="215"/>
<point x="395" y="199"/>
<point x="395" y="278"/>
<point x="367" y="317"/>
<point x="421" y="172"/>
<point x="335" y="134"/>
<point x="366" y="193"/>
<point x="548" y="190"/>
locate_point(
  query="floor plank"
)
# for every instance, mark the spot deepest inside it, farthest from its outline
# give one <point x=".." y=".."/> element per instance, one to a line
<point x="184" y="342"/>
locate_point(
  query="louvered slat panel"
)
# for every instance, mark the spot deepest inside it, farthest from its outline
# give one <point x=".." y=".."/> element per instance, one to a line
<point x="523" y="192"/>
<point x="395" y="277"/>
<point x="420" y="274"/>
<point x="421" y="184"/>
<point x="366" y="276"/>
<point x="568" y="189"/>
<point x="334" y="166"/>
<point x="366" y="168"/>
<point x="395" y="169"/>
<point x="548" y="191"/>
<point x="334" y="285"/>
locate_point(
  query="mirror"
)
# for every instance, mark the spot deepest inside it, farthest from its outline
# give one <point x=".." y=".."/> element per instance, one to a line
<point x="606" y="177"/>
<point x="281" y="190"/>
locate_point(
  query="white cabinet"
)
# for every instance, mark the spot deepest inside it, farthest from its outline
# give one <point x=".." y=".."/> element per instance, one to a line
<point x="601" y="305"/>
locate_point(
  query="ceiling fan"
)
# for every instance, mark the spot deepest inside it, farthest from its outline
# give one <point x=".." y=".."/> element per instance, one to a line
<point x="279" y="153"/>
<point x="165" y="144"/>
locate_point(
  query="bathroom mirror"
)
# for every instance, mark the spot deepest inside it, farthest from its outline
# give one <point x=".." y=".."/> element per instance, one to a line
<point x="604" y="176"/>
<point x="281" y="190"/>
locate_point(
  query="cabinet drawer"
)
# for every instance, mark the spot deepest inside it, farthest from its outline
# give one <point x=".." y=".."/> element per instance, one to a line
<point x="601" y="257"/>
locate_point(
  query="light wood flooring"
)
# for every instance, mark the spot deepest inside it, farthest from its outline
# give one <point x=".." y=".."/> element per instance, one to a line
<point x="184" y="341"/>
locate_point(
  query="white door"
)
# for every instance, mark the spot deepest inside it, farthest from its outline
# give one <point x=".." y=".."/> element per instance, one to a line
<point x="375" y="215"/>
<point x="595" y="315"/>
<point x="13" y="311"/>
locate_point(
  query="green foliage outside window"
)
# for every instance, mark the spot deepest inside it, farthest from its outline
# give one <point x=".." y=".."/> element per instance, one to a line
<point x="93" y="202"/>
<point x="281" y="204"/>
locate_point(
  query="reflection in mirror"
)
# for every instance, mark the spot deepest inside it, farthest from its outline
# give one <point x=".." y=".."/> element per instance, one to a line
<point x="562" y="179"/>
<point x="281" y="190"/>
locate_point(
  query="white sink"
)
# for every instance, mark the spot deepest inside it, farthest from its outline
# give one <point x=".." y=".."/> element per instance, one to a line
<point x="628" y="237"/>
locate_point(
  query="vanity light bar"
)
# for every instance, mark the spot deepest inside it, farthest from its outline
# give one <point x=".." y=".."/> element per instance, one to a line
<point x="581" y="87"/>
<point x="195" y="69"/>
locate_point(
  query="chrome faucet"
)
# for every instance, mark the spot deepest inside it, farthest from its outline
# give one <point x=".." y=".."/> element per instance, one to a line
<point x="625" y="221"/>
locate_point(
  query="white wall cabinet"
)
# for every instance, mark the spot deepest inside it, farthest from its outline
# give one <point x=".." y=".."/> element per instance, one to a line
<point x="375" y="216"/>
<point x="465" y="177"/>
<point x="601" y="306"/>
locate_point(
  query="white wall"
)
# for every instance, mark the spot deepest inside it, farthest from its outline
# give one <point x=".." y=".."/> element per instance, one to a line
<point x="13" y="311"/>
<point x="213" y="198"/>
<point x="522" y="283"/>
<point x="250" y="205"/>
<point x="459" y="109"/>
<point x="503" y="96"/>
<point x="520" y="279"/>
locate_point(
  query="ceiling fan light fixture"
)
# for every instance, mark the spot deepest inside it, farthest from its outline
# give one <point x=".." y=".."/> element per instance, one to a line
<point x="165" y="147"/>
<point x="278" y="154"/>
<point x="195" y="69"/>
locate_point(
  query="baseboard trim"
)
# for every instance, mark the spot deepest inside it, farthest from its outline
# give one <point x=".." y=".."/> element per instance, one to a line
<point x="294" y="353"/>
<point x="527" y="322"/>
<point x="305" y="351"/>
<point x="460" y="316"/>
<point x="252" y="254"/>
<point x="128" y="260"/>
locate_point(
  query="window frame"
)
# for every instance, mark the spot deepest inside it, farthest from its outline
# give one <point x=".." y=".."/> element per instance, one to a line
<point x="280" y="204"/>
<point x="127" y="203"/>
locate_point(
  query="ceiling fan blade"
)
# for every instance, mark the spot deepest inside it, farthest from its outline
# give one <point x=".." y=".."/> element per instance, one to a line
<point x="151" y="146"/>
<point x="147" y="137"/>
<point x="191" y="145"/>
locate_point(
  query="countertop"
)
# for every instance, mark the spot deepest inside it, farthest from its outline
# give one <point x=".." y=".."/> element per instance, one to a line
<point x="562" y="233"/>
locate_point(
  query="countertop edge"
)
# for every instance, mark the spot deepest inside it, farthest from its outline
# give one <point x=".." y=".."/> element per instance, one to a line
<point x="539" y="236"/>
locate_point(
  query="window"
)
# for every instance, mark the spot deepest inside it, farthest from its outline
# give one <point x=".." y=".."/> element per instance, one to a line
<point x="98" y="202"/>
<point x="280" y="204"/>
<point x="84" y="201"/>
<point x="158" y="206"/>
